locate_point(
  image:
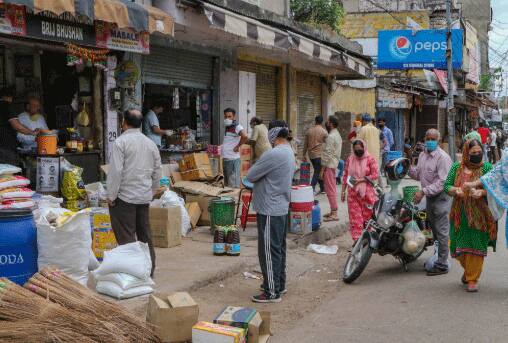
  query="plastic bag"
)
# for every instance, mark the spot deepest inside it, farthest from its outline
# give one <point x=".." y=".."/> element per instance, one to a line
<point x="73" y="187"/>
<point x="125" y="281"/>
<point x="414" y="239"/>
<point x="8" y="181"/>
<point x="171" y="199"/>
<point x="115" y="291"/>
<point x="95" y="193"/>
<point x="16" y="204"/>
<point x="429" y="263"/>
<point x="133" y="258"/>
<point x="16" y="193"/>
<point x="9" y="169"/>
<point x="323" y="249"/>
<point x="67" y="246"/>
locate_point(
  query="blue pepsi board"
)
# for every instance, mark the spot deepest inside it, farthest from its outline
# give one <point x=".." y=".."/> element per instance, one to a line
<point x="425" y="49"/>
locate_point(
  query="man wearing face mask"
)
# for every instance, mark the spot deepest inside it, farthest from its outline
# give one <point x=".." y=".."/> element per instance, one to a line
<point x="33" y="120"/>
<point x="234" y="137"/>
<point x="330" y="158"/>
<point x="133" y="178"/>
<point x="432" y="170"/>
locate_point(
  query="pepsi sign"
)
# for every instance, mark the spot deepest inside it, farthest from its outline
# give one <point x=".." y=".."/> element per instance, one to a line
<point x="424" y="49"/>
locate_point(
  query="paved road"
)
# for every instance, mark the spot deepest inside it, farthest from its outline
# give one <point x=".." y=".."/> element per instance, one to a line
<point x="387" y="304"/>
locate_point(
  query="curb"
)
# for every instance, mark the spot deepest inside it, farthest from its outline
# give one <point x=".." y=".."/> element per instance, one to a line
<point x="320" y="236"/>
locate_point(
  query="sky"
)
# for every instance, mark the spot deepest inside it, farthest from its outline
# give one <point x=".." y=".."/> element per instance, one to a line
<point x="499" y="34"/>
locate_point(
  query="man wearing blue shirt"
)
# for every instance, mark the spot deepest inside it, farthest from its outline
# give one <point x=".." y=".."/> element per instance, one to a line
<point x="387" y="143"/>
<point x="151" y="127"/>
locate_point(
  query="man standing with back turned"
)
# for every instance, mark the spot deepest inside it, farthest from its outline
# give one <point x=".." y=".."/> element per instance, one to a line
<point x="272" y="175"/>
<point x="314" y="140"/>
<point x="133" y="177"/>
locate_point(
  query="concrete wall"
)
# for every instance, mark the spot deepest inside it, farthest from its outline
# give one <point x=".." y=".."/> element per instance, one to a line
<point x="280" y="7"/>
<point x="478" y="13"/>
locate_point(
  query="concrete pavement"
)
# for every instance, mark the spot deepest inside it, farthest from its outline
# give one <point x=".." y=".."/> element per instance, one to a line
<point x="387" y="304"/>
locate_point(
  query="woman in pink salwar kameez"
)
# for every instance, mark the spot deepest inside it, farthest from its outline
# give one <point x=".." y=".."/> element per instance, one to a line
<point x="361" y="196"/>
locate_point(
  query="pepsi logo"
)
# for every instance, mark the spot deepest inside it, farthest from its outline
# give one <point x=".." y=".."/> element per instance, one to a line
<point x="400" y="47"/>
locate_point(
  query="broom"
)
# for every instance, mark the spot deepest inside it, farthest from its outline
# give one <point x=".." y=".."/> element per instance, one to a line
<point x="21" y="308"/>
<point x="61" y="289"/>
<point x="32" y="332"/>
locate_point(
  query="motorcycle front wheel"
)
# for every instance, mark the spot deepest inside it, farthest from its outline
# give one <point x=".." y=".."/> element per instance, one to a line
<point x="358" y="258"/>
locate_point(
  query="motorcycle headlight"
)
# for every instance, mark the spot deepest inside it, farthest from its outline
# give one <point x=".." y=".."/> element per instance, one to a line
<point x="385" y="220"/>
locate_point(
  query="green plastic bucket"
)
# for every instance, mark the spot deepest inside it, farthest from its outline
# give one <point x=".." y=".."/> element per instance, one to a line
<point x="222" y="212"/>
<point x="409" y="193"/>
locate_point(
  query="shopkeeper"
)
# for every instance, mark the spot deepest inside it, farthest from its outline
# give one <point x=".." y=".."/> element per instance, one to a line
<point x="235" y="136"/>
<point x="33" y="120"/>
<point x="151" y="126"/>
<point x="9" y="126"/>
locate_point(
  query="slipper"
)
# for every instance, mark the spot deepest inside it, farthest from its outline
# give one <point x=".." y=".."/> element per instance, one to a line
<point x="327" y="215"/>
<point x="331" y="219"/>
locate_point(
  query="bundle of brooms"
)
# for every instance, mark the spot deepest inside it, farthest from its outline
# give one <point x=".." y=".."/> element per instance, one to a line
<point x="54" y="308"/>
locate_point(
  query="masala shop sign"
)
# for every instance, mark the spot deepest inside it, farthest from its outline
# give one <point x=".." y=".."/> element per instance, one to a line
<point x="57" y="29"/>
<point x="110" y="37"/>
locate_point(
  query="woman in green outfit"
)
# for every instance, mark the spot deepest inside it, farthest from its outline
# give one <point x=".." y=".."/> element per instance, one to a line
<point x="472" y="227"/>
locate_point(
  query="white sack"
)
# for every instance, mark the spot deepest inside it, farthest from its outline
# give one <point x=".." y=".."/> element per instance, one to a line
<point x="93" y="262"/>
<point x="125" y="281"/>
<point x="66" y="247"/>
<point x="171" y="199"/>
<point x="115" y="291"/>
<point x="133" y="258"/>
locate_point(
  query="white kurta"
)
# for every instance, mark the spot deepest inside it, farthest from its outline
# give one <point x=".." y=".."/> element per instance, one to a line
<point x="28" y="141"/>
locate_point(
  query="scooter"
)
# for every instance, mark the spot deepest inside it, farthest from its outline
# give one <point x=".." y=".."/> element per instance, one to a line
<point x="396" y="228"/>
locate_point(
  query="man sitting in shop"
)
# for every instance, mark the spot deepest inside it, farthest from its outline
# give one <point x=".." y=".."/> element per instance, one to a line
<point x="234" y="137"/>
<point x="33" y="120"/>
<point x="151" y="126"/>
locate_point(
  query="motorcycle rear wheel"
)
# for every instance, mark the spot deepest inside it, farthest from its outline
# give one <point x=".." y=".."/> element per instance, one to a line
<point x="358" y="259"/>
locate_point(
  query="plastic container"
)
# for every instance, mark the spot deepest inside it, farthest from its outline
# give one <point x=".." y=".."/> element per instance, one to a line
<point x="18" y="246"/>
<point x="47" y="144"/>
<point x="300" y="222"/>
<point x="316" y="216"/>
<point x="222" y="212"/>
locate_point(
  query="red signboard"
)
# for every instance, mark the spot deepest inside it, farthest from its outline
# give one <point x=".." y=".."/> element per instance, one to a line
<point x="110" y="37"/>
<point x="12" y="19"/>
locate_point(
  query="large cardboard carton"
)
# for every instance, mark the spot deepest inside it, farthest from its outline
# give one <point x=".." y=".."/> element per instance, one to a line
<point x="258" y="328"/>
<point x="173" y="316"/>
<point x="203" y="173"/>
<point x="246" y="152"/>
<point x="204" y="332"/>
<point x="244" y="168"/>
<point x="204" y="202"/>
<point x="166" y="225"/>
<point x="194" y="213"/>
<point x="196" y="160"/>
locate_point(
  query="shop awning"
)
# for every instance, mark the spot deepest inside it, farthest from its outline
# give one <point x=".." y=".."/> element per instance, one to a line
<point x="123" y="13"/>
<point x="245" y="27"/>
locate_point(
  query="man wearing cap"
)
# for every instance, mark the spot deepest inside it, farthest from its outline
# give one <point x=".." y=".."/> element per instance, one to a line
<point x="371" y="136"/>
<point x="272" y="175"/>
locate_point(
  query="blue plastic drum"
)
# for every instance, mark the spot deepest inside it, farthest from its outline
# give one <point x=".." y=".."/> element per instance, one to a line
<point x="18" y="246"/>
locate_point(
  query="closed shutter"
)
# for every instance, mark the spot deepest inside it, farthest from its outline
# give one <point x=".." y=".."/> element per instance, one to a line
<point x="308" y="92"/>
<point x="169" y="66"/>
<point x="266" y="89"/>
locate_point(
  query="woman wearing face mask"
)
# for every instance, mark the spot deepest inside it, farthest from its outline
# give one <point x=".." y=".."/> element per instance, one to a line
<point x="360" y="194"/>
<point x="472" y="227"/>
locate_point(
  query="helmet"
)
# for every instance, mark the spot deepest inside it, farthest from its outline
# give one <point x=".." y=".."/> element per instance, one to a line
<point x="397" y="169"/>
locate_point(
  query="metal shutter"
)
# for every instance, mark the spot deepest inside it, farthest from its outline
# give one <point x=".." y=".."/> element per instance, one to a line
<point x="266" y="89"/>
<point x="167" y="65"/>
<point x="308" y="92"/>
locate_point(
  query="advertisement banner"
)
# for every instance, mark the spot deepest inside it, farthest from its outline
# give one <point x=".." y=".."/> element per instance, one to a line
<point x="110" y="37"/>
<point x="424" y="49"/>
<point x="12" y="20"/>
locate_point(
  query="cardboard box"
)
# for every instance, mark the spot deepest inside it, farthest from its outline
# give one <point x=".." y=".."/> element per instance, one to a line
<point x="103" y="237"/>
<point x="258" y="328"/>
<point x="204" y="202"/>
<point x="173" y="316"/>
<point x="194" y="213"/>
<point x="196" y="160"/>
<point x="197" y="174"/>
<point x="246" y="152"/>
<point x="204" y="332"/>
<point x="166" y="225"/>
<point x="244" y="168"/>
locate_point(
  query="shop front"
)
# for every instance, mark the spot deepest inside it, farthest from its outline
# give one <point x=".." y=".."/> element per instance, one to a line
<point x="394" y="107"/>
<point x="309" y="103"/>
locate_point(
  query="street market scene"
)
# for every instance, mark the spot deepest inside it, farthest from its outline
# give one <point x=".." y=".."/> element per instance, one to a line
<point x="252" y="171"/>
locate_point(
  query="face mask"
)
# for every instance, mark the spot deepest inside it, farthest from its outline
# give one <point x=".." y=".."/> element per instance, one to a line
<point x="431" y="145"/>
<point x="381" y="126"/>
<point x="359" y="153"/>
<point x="228" y="122"/>
<point x="475" y="159"/>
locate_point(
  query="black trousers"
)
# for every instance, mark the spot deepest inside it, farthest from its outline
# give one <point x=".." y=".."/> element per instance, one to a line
<point x="272" y="231"/>
<point x="130" y="222"/>
<point x="316" y="165"/>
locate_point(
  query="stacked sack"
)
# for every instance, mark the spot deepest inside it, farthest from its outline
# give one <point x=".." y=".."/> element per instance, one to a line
<point x="125" y="272"/>
<point x="14" y="191"/>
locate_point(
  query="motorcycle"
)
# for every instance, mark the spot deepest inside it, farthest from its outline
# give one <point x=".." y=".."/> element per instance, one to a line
<point x="396" y="228"/>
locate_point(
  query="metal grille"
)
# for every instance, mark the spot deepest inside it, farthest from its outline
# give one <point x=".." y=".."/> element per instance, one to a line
<point x="308" y="91"/>
<point x="175" y="66"/>
<point x="266" y="89"/>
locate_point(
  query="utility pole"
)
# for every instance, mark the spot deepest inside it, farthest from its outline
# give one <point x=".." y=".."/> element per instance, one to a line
<point x="450" y="107"/>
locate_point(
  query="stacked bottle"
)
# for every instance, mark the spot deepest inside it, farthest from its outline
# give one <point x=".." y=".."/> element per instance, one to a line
<point x="233" y="242"/>
<point x="219" y="246"/>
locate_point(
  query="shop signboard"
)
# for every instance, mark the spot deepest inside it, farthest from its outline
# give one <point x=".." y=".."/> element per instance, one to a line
<point x="55" y="29"/>
<point x="110" y="37"/>
<point x="423" y="49"/>
<point x="12" y="19"/>
<point x="48" y="174"/>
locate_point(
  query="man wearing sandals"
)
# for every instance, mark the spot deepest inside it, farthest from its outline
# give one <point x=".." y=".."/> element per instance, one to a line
<point x="330" y="158"/>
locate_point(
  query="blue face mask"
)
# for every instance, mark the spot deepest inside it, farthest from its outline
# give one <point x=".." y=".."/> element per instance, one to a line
<point x="431" y="145"/>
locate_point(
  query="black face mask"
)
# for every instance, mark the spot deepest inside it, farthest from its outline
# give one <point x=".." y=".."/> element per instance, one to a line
<point x="475" y="159"/>
<point x="359" y="153"/>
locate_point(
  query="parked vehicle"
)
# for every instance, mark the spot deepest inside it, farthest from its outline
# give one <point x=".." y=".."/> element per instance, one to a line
<point x="397" y="228"/>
